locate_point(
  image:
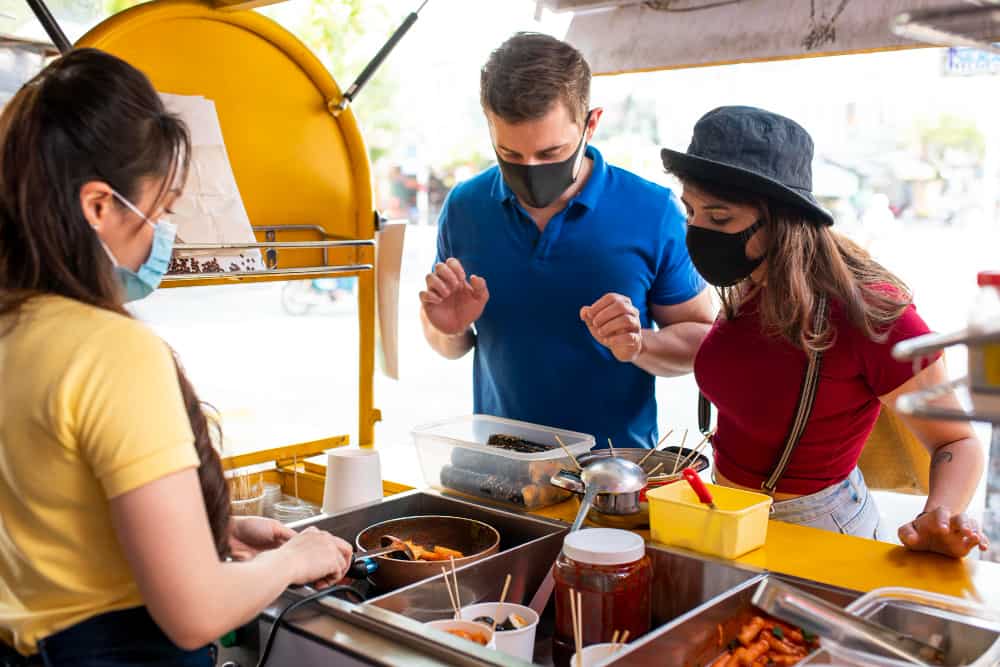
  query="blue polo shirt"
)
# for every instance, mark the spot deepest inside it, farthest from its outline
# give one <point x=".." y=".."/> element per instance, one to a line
<point x="535" y="360"/>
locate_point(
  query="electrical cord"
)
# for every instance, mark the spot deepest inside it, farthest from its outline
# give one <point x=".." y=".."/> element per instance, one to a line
<point x="322" y="593"/>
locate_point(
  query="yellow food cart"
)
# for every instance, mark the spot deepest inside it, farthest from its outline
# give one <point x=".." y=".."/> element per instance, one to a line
<point x="304" y="175"/>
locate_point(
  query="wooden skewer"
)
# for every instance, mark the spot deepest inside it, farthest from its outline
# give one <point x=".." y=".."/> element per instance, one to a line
<point x="454" y="577"/>
<point x="451" y="596"/>
<point x="611" y="446"/>
<point x="576" y="632"/>
<point x="620" y="644"/>
<point x="614" y="637"/>
<point x="693" y="456"/>
<point x="655" y="449"/>
<point x="569" y="453"/>
<point x="503" y="598"/>
<point x="579" y="621"/>
<point x="677" y="461"/>
<point x="625" y="637"/>
<point x="654" y="470"/>
<point x="295" y="475"/>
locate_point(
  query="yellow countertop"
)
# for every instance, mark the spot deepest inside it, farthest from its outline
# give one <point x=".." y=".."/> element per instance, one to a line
<point x="854" y="563"/>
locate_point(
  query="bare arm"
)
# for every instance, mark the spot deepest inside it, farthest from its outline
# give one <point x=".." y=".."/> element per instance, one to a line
<point x="193" y="596"/>
<point x="450" y="306"/>
<point x="449" y="346"/>
<point x="614" y="322"/>
<point x="957" y="463"/>
<point x="670" y="349"/>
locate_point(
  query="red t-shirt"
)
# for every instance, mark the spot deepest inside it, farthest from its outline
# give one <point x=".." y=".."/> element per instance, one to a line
<point x="754" y="380"/>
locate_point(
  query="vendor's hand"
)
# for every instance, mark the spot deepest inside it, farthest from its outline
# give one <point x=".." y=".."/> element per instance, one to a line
<point x="317" y="557"/>
<point x="452" y="302"/>
<point x="944" y="533"/>
<point x="249" y="535"/>
<point x="614" y="322"/>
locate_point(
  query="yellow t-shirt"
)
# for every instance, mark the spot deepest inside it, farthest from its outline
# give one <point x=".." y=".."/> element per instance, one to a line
<point x="90" y="408"/>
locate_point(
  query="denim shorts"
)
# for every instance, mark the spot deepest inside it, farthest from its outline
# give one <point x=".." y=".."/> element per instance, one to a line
<point x="126" y="638"/>
<point x="847" y="508"/>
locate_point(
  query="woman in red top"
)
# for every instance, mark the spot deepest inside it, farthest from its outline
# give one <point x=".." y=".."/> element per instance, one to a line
<point x="756" y="232"/>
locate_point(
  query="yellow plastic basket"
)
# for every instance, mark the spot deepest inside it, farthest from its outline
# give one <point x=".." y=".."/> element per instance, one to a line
<point x="738" y="526"/>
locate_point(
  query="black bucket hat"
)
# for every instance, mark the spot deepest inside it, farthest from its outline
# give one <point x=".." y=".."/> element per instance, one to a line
<point x="753" y="150"/>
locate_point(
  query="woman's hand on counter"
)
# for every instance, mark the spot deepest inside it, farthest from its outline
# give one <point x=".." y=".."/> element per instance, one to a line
<point x="319" y="558"/>
<point x="942" y="532"/>
<point x="250" y="535"/>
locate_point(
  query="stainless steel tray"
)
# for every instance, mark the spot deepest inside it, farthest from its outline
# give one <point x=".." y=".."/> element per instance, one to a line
<point x="681" y="582"/>
<point x="694" y="638"/>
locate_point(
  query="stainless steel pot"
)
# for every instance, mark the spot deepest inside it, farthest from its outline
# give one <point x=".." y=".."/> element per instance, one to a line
<point x="613" y="482"/>
<point x="629" y="510"/>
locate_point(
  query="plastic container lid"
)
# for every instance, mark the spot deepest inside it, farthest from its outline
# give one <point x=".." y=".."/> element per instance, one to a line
<point x="604" y="546"/>
<point x="989" y="279"/>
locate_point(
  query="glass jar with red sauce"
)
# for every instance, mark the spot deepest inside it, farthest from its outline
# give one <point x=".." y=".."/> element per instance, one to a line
<point x="611" y="571"/>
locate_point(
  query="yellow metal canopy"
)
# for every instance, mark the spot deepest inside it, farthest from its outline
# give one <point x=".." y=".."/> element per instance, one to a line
<point x="295" y="162"/>
<point x="303" y="172"/>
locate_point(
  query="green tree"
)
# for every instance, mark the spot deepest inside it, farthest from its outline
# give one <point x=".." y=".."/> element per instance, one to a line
<point x="952" y="133"/>
<point x="344" y="35"/>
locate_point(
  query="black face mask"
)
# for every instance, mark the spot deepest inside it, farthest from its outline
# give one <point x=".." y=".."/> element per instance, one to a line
<point x="721" y="258"/>
<point x="538" y="185"/>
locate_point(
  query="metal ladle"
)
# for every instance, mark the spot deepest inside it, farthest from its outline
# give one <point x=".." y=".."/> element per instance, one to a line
<point x="613" y="476"/>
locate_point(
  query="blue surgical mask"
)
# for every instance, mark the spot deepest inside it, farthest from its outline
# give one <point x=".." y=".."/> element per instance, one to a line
<point x="140" y="284"/>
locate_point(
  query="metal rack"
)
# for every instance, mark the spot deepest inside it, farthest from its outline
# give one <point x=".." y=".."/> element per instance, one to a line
<point x="954" y="400"/>
<point x="271" y="261"/>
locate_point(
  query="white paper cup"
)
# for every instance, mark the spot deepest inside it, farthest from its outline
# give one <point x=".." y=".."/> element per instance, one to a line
<point x="467" y="626"/>
<point x="516" y="643"/>
<point x="594" y="655"/>
<point x="353" y="477"/>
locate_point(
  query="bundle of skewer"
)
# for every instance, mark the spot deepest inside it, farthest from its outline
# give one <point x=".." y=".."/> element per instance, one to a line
<point x="245" y="484"/>
<point x="618" y="640"/>
<point x="452" y="586"/>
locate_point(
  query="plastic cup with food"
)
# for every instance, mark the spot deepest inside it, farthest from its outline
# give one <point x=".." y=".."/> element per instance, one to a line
<point x="467" y="630"/>
<point x="516" y="626"/>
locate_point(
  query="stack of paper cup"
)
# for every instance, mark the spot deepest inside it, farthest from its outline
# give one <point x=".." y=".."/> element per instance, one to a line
<point x="353" y="477"/>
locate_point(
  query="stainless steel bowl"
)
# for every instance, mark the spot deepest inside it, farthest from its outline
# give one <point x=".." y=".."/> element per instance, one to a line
<point x="630" y="511"/>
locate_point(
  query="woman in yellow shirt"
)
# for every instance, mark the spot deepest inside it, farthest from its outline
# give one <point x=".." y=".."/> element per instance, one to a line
<point x="114" y="515"/>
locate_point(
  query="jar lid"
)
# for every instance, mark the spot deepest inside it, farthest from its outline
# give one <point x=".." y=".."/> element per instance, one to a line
<point x="989" y="279"/>
<point x="604" y="546"/>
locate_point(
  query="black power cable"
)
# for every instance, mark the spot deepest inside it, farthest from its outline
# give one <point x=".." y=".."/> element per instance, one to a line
<point x="269" y="644"/>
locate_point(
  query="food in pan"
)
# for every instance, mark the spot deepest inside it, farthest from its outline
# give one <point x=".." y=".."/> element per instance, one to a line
<point x="476" y="637"/>
<point x="513" y="622"/>
<point x="765" y="642"/>
<point x="435" y="553"/>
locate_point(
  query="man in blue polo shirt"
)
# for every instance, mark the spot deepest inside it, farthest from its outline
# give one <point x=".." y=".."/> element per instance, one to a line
<point x="568" y="277"/>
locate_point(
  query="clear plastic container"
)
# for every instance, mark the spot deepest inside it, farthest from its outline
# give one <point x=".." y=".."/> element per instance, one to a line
<point x="971" y="632"/>
<point x="984" y="358"/>
<point x="293" y="509"/>
<point x="457" y="455"/>
<point x="272" y="495"/>
<point x="247" y="507"/>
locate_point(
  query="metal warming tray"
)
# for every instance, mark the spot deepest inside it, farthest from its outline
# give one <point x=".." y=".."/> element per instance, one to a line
<point x="968" y="633"/>
<point x="693" y="639"/>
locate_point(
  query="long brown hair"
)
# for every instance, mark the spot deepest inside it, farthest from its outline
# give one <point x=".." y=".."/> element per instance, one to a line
<point x="804" y="260"/>
<point x="86" y="117"/>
